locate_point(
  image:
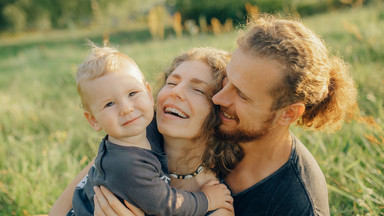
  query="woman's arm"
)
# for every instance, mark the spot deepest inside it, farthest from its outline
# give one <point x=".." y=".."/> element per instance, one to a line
<point x="64" y="203"/>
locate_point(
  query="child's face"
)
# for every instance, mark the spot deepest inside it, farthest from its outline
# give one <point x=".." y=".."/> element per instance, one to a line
<point x="119" y="102"/>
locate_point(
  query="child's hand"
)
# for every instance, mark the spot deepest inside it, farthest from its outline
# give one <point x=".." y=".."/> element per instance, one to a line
<point x="218" y="195"/>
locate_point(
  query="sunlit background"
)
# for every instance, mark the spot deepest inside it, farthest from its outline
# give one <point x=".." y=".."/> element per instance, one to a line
<point x="45" y="141"/>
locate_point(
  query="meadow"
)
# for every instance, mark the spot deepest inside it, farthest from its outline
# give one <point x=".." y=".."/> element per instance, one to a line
<point x="45" y="140"/>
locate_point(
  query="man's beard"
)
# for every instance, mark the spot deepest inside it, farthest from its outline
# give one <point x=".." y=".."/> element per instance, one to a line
<point x="246" y="135"/>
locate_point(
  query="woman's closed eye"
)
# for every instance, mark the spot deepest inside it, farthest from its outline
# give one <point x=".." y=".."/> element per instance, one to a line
<point x="171" y="83"/>
<point x="199" y="90"/>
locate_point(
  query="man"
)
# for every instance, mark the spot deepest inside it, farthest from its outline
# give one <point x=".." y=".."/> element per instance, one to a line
<point x="280" y="74"/>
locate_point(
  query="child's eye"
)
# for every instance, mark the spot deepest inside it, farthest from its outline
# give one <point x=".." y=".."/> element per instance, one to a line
<point x="109" y="104"/>
<point x="132" y="94"/>
<point x="171" y="83"/>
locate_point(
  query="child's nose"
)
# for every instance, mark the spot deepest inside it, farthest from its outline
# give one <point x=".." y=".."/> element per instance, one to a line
<point x="126" y="107"/>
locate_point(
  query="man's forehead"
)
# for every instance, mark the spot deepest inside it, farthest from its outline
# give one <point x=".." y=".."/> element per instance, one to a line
<point x="250" y="72"/>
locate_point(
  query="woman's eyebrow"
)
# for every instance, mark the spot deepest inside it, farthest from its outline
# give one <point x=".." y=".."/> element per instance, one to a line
<point x="174" y="76"/>
<point x="198" y="81"/>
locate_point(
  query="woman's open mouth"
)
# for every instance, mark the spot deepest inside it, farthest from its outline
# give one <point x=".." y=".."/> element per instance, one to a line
<point x="175" y="112"/>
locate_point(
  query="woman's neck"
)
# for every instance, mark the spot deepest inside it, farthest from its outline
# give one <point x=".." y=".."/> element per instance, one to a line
<point x="184" y="155"/>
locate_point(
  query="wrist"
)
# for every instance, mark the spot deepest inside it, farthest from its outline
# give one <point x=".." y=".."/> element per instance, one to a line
<point x="209" y="204"/>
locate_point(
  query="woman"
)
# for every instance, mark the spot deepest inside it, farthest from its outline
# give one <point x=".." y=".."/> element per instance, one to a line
<point x="186" y="117"/>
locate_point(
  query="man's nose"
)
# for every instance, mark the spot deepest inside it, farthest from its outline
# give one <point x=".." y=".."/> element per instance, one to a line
<point x="223" y="97"/>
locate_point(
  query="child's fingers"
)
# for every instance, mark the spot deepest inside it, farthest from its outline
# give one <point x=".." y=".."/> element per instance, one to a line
<point x="212" y="182"/>
<point x="229" y="199"/>
<point x="227" y="191"/>
<point x="229" y="206"/>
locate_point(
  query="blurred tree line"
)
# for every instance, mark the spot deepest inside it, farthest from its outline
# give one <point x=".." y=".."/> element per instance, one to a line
<point x="26" y="15"/>
<point x="223" y="9"/>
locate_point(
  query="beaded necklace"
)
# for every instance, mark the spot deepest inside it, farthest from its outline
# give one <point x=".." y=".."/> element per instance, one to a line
<point x="188" y="176"/>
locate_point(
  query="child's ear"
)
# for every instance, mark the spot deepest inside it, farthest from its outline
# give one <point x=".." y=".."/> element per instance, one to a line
<point x="92" y="120"/>
<point x="291" y="113"/>
<point x="149" y="90"/>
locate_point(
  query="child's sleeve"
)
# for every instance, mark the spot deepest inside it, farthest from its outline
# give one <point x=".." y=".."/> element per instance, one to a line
<point x="140" y="181"/>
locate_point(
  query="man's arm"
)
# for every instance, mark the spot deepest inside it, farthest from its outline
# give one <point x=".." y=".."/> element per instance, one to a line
<point x="64" y="203"/>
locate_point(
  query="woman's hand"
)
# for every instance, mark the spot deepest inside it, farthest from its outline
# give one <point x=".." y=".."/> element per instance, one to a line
<point x="106" y="204"/>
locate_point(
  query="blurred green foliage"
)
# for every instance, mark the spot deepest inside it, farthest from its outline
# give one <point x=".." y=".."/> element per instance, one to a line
<point x="223" y="9"/>
<point x="27" y="15"/>
<point x="45" y="140"/>
<point x="22" y="15"/>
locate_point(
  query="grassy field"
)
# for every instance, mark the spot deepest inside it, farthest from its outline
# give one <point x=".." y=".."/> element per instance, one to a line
<point x="45" y="141"/>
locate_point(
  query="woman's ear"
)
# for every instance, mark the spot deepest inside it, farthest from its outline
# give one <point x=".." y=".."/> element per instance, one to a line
<point x="92" y="121"/>
<point x="291" y="113"/>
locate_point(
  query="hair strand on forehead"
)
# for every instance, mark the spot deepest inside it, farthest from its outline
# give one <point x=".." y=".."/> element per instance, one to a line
<point x="100" y="61"/>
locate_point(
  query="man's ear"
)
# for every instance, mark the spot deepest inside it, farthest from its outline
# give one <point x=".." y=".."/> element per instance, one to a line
<point x="291" y="113"/>
<point x="92" y="120"/>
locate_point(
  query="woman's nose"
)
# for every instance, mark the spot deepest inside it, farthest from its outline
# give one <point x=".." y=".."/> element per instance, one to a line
<point x="178" y="92"/>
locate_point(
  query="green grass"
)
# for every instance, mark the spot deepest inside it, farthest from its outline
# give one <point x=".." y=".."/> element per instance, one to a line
<point x="46" y="140"/>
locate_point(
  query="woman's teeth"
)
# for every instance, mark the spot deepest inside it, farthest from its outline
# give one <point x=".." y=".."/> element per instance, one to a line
<point x="176" y="112"/>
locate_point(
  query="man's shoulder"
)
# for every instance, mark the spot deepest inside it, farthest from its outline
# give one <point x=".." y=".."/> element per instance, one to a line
<point x="307" y="169"/>
<point x="298" y="187"/>
<point x="311" y="177"/>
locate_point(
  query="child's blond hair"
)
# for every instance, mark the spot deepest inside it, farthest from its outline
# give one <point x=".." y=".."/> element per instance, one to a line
<point x="100" y="61"/>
